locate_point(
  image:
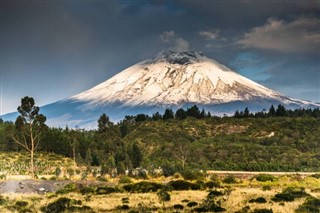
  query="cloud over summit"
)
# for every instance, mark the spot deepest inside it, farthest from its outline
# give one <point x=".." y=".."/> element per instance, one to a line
<point x="300" y="35"/>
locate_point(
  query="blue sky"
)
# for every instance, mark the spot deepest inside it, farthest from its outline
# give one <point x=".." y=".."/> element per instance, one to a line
<point x="52" y="50"/>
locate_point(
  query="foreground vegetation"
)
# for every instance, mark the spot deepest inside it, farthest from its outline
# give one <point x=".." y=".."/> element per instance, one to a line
<point x="174" y="194"/>
<point x="186" y="141"/>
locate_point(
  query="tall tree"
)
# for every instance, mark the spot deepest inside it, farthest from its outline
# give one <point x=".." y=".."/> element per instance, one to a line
<point x="74" y="144"/>
<point x="168" y="114"/>
<point x="104" y="123"/>
<point x="29" y="125"/>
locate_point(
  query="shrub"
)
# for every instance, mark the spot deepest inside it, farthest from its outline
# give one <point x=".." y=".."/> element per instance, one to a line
<point x="317" y="175"/>
<point x="3" y="200"/>
<point x="230" y="179"/>
<point x="102" y="190"/>
<point x="266" y="188"/>
<point x="143" y="187"/>
<point x="192" y="175"/>
<point x="263" y="211"/>
<point x="311" y="205"/>
<point x="289" y="194"/>
<point x="57" y="206"/>
<point x="265" y="178"/>
<point x="212" y="184"/>
<point x="163" y="195"/>
<point x="71" y="187"/>
<point x="87" y="190"/>
<point x="192" y="204"/>
<point x="182" y="185"/>
<point x="214" y="193"/>
<point x="178" y="206"/>
<point x="125" y="180"/>
<point x="258" y="200"/>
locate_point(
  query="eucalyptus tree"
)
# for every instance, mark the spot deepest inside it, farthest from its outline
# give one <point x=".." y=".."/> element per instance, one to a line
<point x="29" y="125"/>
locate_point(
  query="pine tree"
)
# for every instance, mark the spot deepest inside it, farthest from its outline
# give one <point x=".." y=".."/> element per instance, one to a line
<point x="168" y="114"/>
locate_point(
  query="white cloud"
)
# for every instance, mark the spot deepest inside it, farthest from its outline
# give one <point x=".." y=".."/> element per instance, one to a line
<point x="177" y="43"/>
<point x="300" y="35"/>
<point x="167" y="36"/>
<point x="181" y="45"/>
<point x="210" y="35"/>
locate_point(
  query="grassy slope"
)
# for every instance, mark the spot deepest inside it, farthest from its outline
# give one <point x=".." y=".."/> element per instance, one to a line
<point x="265" y="144"/>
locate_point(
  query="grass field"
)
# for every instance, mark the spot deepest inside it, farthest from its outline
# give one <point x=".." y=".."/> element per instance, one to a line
<point x="282" y="194"/>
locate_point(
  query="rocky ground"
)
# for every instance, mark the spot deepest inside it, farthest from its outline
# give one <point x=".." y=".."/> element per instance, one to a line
<point x="31" y="186"/>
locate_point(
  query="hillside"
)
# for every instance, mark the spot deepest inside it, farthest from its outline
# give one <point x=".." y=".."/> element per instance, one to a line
<point x="202" y="142"/>
<point x="252" y="144"/>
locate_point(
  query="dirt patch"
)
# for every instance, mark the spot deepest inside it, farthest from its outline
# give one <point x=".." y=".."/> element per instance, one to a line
<point x="31" y="186"/>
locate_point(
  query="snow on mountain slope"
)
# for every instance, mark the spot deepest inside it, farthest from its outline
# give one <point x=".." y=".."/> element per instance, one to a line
<point x="174" y="78"/>
<point x="170" y="79"/>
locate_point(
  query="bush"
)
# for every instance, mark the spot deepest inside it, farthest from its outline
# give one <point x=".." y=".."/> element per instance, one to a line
<point x="214" y="193"/>
<point x="258" y="200"/>
<point x="230" y="179"/>
<point x="143" y="187"/>
<point x="192" y="204"/>
<point x="179" y="185"/>
<point x="265" y="178"/>
<point x="317" y="175"/>
<point x="3" y="200"/>
<point x="178" y="206"/>
<point x="289" y="194"/>
<point x="266" y="188"/>
<point x="125" y="180"/>
<point x="87" y="190"/>
<point x="212" y="184"/>
<point x="57" y="206"/>
<point x="311" y="205"/>
<point x="192" y="175"/>
<point x="263" y="211"/>
<point x="71" y="187"/>
<point x="102" y="190"/>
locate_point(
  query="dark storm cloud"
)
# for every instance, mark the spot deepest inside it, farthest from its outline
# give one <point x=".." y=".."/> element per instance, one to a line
<point x="55" y="49"/>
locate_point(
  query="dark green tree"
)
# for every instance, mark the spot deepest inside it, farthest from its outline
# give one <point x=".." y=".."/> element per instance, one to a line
<point x="29" y="125"/>
<point x="104" y="123"/>
<point x="194" y="112"/>
<point x="168" y="114"/>
<point x="181" y="114"/>
<point x="135" y="155"/>
<point x="246" y="112"/>
<point x="281" y="110"/>
<point x="272" y="111"/>
<point x="156" y="116"/>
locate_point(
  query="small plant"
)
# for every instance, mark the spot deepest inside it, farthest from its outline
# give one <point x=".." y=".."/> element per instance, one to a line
<point x="266" y="188"/>
<point x="183" y="185"/>
<point x="163" y="195"/>
<point x="192" y="204"/>
<point x="178" y="206"/>
<point x="258" y="200"/>
<point x="310" y="205"/>
<point x="57" y="206"/>
<point x="265" y="178"/>
<point x="317" y="175"/>
<point x="125" y="180"/>
<point x="102" y="190"/>
<point x="71" y="187"/>
<point x="230" y="179"/>
<point x="289" y="194"/>
<point x="143" y="187"/>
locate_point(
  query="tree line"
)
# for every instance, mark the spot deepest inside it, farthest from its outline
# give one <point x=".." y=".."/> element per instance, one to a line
<point x="148" y="141"/>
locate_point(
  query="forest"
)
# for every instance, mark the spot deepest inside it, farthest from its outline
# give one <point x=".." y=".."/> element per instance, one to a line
<point x="191" y="139"/>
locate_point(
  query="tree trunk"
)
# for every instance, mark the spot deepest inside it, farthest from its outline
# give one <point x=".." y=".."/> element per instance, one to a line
<point x="32" y="153"/>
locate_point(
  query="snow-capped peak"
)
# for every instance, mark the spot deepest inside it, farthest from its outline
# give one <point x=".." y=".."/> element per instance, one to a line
<point x="176" y="78"/>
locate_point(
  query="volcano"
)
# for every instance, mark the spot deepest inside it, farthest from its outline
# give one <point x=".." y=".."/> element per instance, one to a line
<point x="168" y="80"/>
